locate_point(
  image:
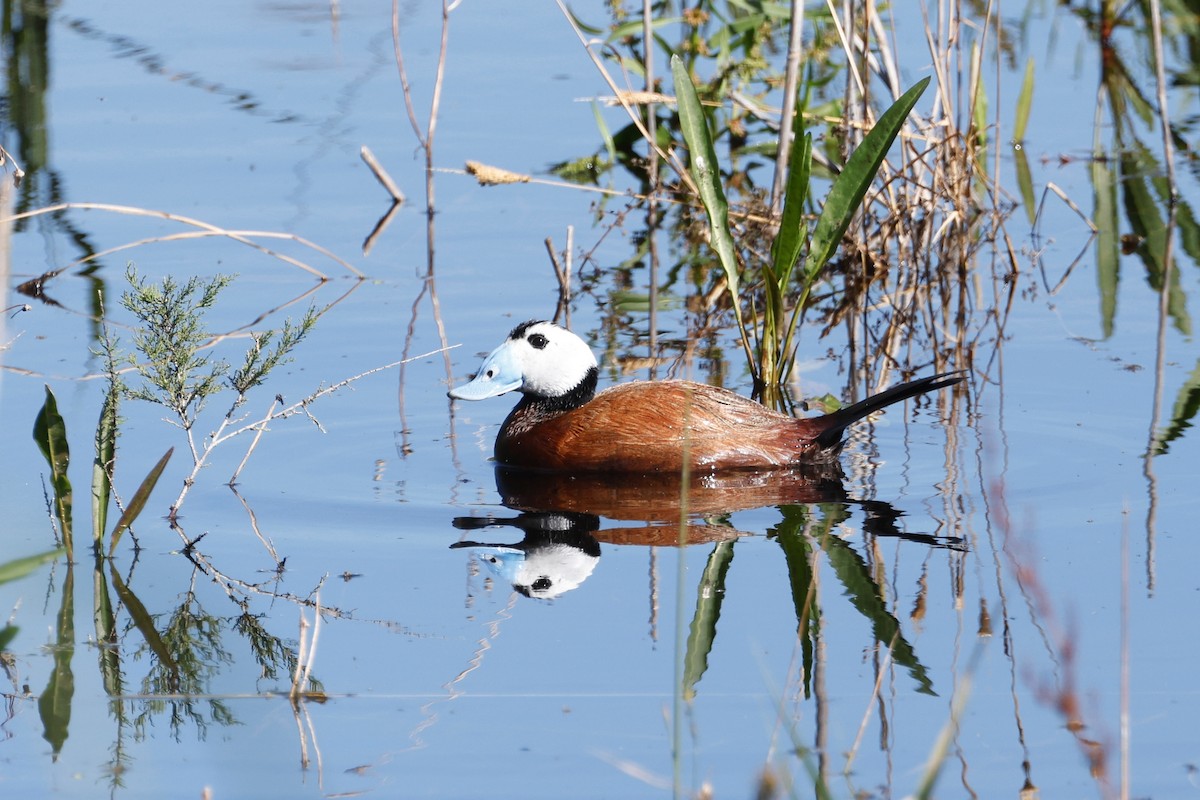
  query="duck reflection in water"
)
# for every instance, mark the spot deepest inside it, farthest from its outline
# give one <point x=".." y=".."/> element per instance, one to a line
<point x="561" y="517"/>
<point x="567" y="456"/>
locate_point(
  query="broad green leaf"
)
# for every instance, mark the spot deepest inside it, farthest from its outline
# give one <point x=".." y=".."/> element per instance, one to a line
<point x="785" y="251"/>
<point x="704" y="171"/>
<point x="703" y="158"/>
<point x="1024" y="104"/>
<point x="13" y="570"/>
<point x="850" y="187"/>
<point x="102" y="466"/>
<point x="703" y="630"/>
<point x="138" y="501"/>
<point x="50" y="433"/>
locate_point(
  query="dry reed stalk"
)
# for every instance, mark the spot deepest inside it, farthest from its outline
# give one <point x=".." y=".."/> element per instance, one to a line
<point x="207" y="229"/>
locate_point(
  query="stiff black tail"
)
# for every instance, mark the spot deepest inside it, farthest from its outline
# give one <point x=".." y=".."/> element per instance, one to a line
<point x="845" y="417"/>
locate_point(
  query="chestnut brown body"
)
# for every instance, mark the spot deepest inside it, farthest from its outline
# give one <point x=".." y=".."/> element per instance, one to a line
<point x="659" y="426"/>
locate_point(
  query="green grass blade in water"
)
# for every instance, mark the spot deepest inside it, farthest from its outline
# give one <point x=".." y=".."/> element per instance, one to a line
<point x="102" y="467"/>
<point x="50" y="433"/>
<point x="848" y="191"/>
<point x="704" y="172"/>
<point x="15" y="570"/>
<point x="1024" y="103"/>
<point x="138" y="501"/>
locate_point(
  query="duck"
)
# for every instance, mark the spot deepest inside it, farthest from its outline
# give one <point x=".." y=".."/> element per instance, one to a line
<point x="561" y="424"/>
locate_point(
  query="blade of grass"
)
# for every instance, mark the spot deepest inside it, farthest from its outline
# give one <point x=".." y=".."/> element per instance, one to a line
<point x="106" y="444"/>
<point x="138" y="501"/>
<point x="1024" y="103"/>
<point x="703" y="158"/>
<point x="19" y="568"/>
<point x="50" y="433"/>
<point x="850" y="187"/>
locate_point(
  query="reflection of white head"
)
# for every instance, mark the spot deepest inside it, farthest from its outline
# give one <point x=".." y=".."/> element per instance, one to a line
<point x="537" y="358"/>
<point x="545" y="571"/>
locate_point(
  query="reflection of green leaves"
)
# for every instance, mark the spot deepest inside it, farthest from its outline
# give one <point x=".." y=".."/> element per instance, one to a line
<point x="106" y="632"/>
<point x="703" y="631"/>
<point x="863" y="592"/>
<point x="54" y="704"/>
<point x="145" y="624"/>
<point x="1145" y="218"/>
<point x="798" y="555"/>
<point x="1187" y="403"/>
<point x="50" y="433"/>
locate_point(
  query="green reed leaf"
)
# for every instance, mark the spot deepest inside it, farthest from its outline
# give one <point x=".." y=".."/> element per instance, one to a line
<point x="50" y="433"/>
<point x="1024" y="104"/>
<point x="102" y="467"/>
<point x="19" y="568"/>
<point x="138" y="501"/>
<point x="704" y="171"/>
<point x="850" y="187"/>
<point x="1108" y="247"/>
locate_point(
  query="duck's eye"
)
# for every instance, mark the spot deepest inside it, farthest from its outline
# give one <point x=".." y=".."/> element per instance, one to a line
<point x="491" y="373"/>
<point x="538" y="341"/>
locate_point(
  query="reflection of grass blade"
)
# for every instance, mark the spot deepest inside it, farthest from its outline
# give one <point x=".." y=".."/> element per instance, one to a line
<point x="50" y="433"/>
<point x="703" y="630"/>
<point x="796" y="552"/>
<point x="1147" y="221"/>
<point x="102" y="467"/>
<point x="54" y="705"/>
<point x="1187" y="403"/>
<point x="848" y="191"/>
<point x="864" y="595"/>
<point x="138" y="501"/>
<point x="106" y="631"/>
<point x="12" y="570"/>
<point x="1025" y="183"/>
<point x="144" y="623"/>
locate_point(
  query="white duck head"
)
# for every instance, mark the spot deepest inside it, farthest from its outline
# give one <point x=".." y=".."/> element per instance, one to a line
<point x="539" y="359"/>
